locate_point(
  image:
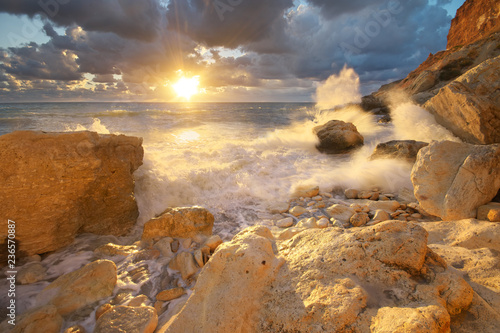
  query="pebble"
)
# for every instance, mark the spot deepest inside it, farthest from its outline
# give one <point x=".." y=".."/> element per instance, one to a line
<point x="170" y="294"/>
<point x="213" y="242"/>
<point x="198" y="257"/>
<point x="364" y="195"/>
<point x="175" y="246"/>
<point x="320" y="205"/>
<point x="164" y="246"/>
<point x="140" y="300"/>
<point x="185" y="264"/>
<point x="312" y="203"/>
<point x="375" y="196"/>
<point x="351" y="193"/>
<point x="359" y="219"/>
<point x="297" y="211"/>
<point x="285" y="223"/>
<point x="318" y="198"/>
<point x="381" y="215"/>
<point x="322" y="223"/>
<point x="279" y="207"/>
<point x="307" y="223"/>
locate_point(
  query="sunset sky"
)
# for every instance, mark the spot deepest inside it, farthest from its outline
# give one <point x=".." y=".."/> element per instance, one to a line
<point x="237" y="50"/>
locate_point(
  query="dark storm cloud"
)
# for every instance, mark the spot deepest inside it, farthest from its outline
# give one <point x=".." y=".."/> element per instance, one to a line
<point x="127" y="18"/>
<point x="283" y="47"/>
<point x="228" y="23"/>
<point x="334" y="8"/>
<point x="40" y="62"/>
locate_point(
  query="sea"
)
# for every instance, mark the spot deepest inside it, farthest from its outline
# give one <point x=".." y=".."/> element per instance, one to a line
<point x="235" y="159"/>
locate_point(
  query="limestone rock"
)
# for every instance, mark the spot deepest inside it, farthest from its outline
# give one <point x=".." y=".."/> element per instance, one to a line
<point x="351" y="193"/>
<point x="388" y="206"/>
<point x="307" y="223"/>
<point x="489" y="212"/>
<point x="470" y="234"/>
<point x="305" y="191"/>
<point x="399" y="149"/>
<point x="213" y="242"/>
<point x="337" y="137"/>
<point x="298" y="210"/>
<point x="137" y="301"/>
<point x="165" y="247"/>
<point x="416" y="320"/>
<point x="34" y="319"/>
<point x="184" y="262"/>
<point x="128" y="319"/>
<point x="304" y="284"/>
<point x="381" y="215"/>
<point x="183" y="222"/>
<point x="279" y="207"/>
<point x="221" y="301"/>
<point x="55" y="185"/>
<point x="359" y="219"/>
<point x="474" y="20"/>
<point x="285" y="223"/>
<point x="82" y="287"/>
<point x="170" y="294"/>
<point x="451" y="180"/>
<point x="423" y="82"/>
<point x="340" y="212"/>
<point x="31" y="273"/>
<point x="469" y="106"/>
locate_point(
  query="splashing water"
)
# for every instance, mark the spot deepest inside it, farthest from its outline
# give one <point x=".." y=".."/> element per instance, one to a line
<point x="339" y="90"/>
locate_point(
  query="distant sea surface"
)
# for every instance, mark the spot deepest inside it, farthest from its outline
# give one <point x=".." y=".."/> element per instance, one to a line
<point x="235" y="159"/>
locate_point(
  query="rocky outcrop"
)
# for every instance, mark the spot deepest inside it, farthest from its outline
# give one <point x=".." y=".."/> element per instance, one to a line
<point x="336" y="137"/>
<point x="451" y="180"/>
<point x="381" y="278"/>
<point x="398" y="149"/>
<point x="56" y="185"/>
<point x="79" y="288"/>
<point x="184" y="222"/>
<point x="475" y="19"/>
<point x="470" y="105"/>
<point x="471" y="248"/>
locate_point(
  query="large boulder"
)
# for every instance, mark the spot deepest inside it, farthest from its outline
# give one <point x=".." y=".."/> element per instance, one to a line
<point x="451" y="180"/>
<point x="470" y="105"/>
<point x="381" y="278"/>
<point x="398" y="149"/>
<point x="73" y="291"/>
<point x="56" y="185"/>
<point x="336" y="137"/>
<point x="182" y="222"/>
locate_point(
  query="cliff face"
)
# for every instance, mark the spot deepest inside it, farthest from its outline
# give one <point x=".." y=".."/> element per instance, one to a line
<point x="460" y="85"/>
<point x="475" y="20"/>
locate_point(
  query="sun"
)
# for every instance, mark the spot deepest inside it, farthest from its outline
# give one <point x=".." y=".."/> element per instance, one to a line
<point x="187" y="87"/>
